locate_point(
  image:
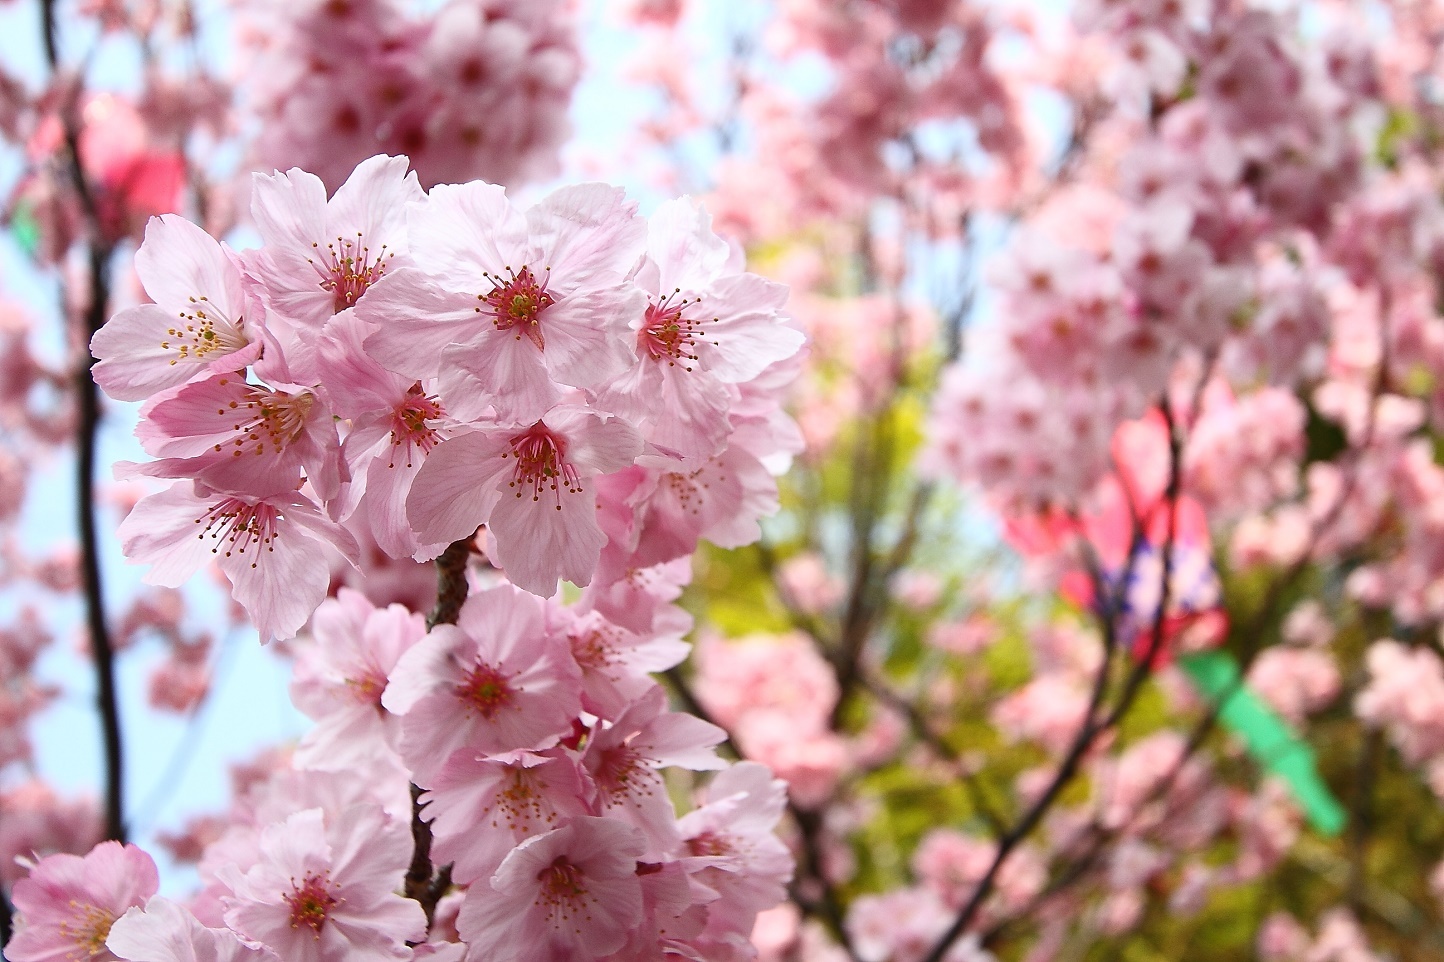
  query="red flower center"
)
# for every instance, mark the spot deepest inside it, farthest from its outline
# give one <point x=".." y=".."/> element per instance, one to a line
<point x="487" y="690"/>
<point x="347" y="269"/>
<point x="516" y="303"/>
<point x="311" y="902"/>
<point x="709" y="843"/>
<point x="541" y="464"/>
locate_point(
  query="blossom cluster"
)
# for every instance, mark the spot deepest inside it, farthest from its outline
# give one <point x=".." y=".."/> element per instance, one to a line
<point x="1209" y="239"/>
<point x="473" y="89"/>
<point x="599" y="391"/>
<point x="401" y="369"/>
<point x="541" y="743"/>
<point x="556" y="823"/>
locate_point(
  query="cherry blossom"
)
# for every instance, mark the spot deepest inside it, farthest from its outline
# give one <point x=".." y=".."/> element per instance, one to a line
<point x="273" y="547"/>
<point x="68" y="903"/>
<point x="514" y="305"/>
<point x="203" y="319"/>
<point x="572" y="893"/>
<point x="500" y="681"/>
<point x="323" y="888"/>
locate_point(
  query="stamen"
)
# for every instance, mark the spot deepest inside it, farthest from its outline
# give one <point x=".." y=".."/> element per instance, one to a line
<point x="624" y="774"/>
<point x="521" y="806"/>
<point x="667" y="334"/>
<point x="541" y="464"/>
<point x="279" y="416"/>
<point x="347" y="269"/>
<point x="408" y="423"/>
<point x="311" y="902"/>
<point x="563" y="893"/>
<point x="709" y="843"/>
<point x="486" y="690"/>
<point x="235" y="526"/>
<point x="203" y="330"/>
<point x="595" y="650"/>
<point x="517" y="301"/>
<point x="88" y="930"/>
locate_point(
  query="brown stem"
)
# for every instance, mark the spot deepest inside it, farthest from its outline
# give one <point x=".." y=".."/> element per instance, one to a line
<point x="451" y="585"/>
<point x="423" y="882"/>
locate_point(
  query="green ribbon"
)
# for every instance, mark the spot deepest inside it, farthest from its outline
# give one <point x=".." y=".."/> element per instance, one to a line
<point x="1216" y="675"/>
<point x="25" y="228"/>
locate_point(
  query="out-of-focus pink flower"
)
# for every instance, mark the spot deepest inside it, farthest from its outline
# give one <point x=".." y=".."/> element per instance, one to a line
<point x="569" y="894"/>
<point x="1296" y="682"/>
<point x="324" y="889"/>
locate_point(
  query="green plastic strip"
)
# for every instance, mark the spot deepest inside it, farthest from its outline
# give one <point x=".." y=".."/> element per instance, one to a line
<point x="1268" y="738"/>
<point x="25" y="228"/>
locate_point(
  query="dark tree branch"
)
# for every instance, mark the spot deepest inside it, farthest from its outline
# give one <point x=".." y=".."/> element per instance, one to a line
<point x="451" y="584"/>
<point x="826" y="907"/>
<point x="1093" y="725"/>
<point x="98" y="251"/>
<point x="924" y="733"/>
<point x="423" y="882"/>
<point x="7" y="915"/>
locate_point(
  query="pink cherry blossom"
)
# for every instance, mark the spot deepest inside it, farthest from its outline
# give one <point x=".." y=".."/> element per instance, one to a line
<point x="229" y="433"/>
<point x="500" y="681"/>
<point x="324" y="889"/>
<point x="274" y="548"/>
<point x="340" y="677"/>
<point x="68" y="903"/>
<point x="203" y="321"/>
<point x="720" y="499"/>
<point x="616" y="663"/>
<point x="571" y="894"/>
<point x="623" y="759"/>
<point x="481" y="808"/>
<point x="322" y="256"/>
<point x="531" y="486"/>
<point x="731" y="843"/>
<point x="395" y="423"/>
<point x="165" y="932"/>
<point x="509" y="306"/>
<point x="706" y="325"/>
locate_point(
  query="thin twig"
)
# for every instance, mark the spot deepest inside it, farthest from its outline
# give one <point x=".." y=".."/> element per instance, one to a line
<point x="1091" y="726"/>
<point x="923" y="731"/>
<point x="827" y="907"/>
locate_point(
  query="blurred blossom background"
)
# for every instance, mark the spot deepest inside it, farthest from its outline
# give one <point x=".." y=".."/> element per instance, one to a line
<point x="1096" y="612"/>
